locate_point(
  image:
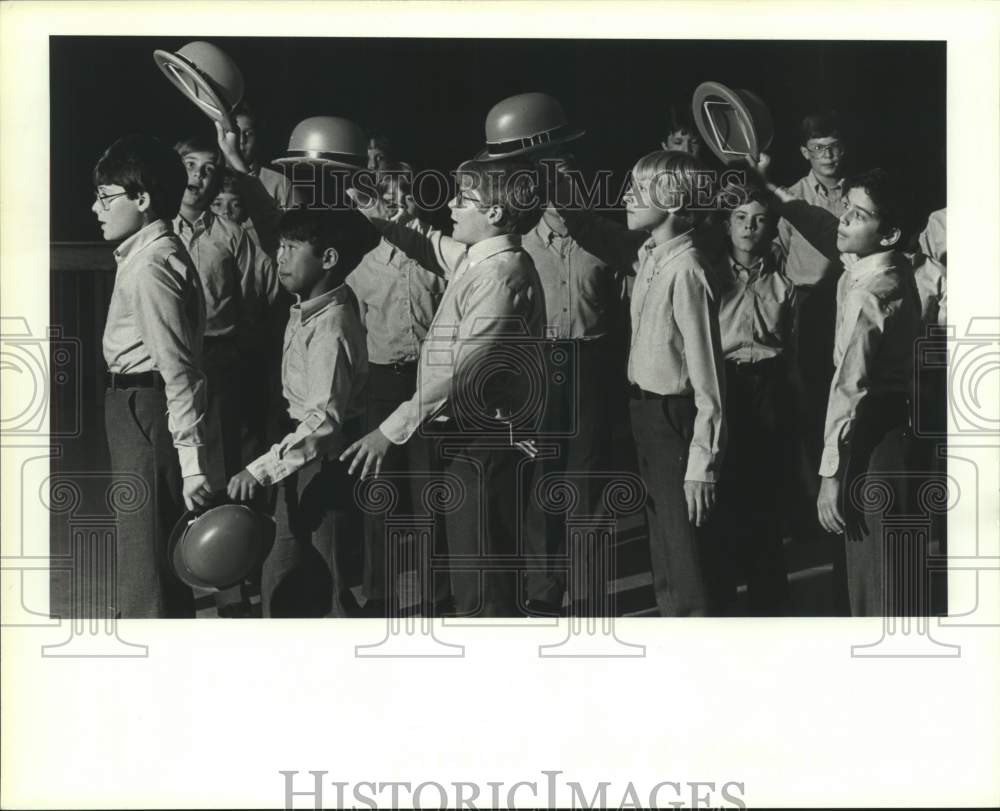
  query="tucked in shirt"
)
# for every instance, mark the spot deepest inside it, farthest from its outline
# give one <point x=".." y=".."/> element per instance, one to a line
<point x="155" y="323"/>
<point x="756" y="309"/>
<point x="324" y="367"/>
<point x="877" y="322"/>
<point x="581" y="290"/>
<point x="806" y="265"/>
<point x="933" y="240"/>
<point x="239" y="279"/>
<point x="398" y="298"/>
<point x="493" y="292"/>
<point x="676" y="345"/>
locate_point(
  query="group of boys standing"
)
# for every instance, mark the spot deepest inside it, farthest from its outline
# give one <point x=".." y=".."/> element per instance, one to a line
<point x="734" y="326"/>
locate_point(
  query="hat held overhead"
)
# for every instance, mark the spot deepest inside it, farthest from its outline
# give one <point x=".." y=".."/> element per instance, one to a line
<point x="734" y="123"/>
<point x="526" y="123"/>
<point x="207" y="76"/>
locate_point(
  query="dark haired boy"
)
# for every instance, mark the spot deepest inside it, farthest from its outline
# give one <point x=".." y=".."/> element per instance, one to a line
<point x="398" y="298"/>
<point x="494" y="294"/>
<point x="324" y="369"/>
<point x="155" y="405"/>
<point x="240" y="286"/>
<point x="867" y="441"/>
<point x="756" y="322"/>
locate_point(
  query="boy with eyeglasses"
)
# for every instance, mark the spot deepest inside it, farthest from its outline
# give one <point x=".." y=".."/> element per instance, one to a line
<point x="155" y="405"/>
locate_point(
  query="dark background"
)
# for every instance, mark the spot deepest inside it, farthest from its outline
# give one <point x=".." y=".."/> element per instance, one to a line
<point x="431" y="96"/>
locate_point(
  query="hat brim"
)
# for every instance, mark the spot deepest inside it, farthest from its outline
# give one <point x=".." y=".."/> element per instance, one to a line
<point x="485" y="155"/>
<point x="333" y="163"/>
<point x="185" y="76"/>
<point x="716" y="93"/>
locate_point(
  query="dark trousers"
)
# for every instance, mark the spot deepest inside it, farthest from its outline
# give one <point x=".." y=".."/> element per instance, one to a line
<point x="578" y="420"/>
<point x="140" y="445"/>
<point x="886" y="568"/>
<point x="317" y="523"/>
<point x="690" y="577"/>
<point x="389" y="386"/>
<point x="747" y="517"/>
<point x="810" y="375"/>
<point x="222" y="365"/>
<point x="483" y="530"/>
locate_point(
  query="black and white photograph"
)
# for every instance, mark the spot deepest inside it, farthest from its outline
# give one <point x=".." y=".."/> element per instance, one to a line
<point x="428" y="338"/>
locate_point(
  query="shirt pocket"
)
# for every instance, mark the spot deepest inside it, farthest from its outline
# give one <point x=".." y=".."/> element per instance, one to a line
<point x="769" y="322"/>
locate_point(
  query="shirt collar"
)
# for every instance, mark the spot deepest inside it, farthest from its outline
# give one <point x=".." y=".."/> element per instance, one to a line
<point x="674" y="246"/>
<point x="206" y="218"/>
<point x="140" y="239"/>
<point x="492" y="246"/>
<point x="820" y="188"/>
<point x="870" y="265"/>
<point x="307" y="310"/>
<point x="547" y="233"/>
<point x="758" y="266"/>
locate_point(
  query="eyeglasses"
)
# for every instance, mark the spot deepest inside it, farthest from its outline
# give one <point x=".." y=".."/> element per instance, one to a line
<point x="104" y="198"/>
<point x="834" y="149"/>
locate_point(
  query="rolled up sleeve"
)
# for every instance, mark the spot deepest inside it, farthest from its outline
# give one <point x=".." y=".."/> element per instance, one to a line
<point x="320" y="431"/>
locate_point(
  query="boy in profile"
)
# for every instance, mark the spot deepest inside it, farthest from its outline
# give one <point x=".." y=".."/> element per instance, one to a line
<point x="867" y="439"/>
<point x="324" y="370"/>
<point x="494" y="294"/>
<point x="155" y="405"/>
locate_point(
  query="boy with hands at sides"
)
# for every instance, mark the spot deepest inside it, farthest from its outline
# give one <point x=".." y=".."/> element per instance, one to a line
<point x="155" y="406"/>
<point x="867" y="436"/>
<point x="493" y="293"/>
<point x="324" y="369"/>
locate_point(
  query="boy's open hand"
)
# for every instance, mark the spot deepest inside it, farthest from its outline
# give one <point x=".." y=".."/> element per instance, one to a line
<point x="371" y="450"/>
<point x="229" y="143"/>
<point x="373" y="208"/>
<point x="700" y="497"/>
<point x="243" y="486"/>
<point x="827" y="506"/>
<point x="197" y="493"/>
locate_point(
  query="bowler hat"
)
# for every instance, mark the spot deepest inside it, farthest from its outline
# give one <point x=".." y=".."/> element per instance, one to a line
<point x="734" y="123"/>
<point x="328" y="141"/>
<point x="525" y="123"/>
<point x="220" y="547"/>
<point x="207" y="76"/>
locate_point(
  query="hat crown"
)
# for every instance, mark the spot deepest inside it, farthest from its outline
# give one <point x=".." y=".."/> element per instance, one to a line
<point x="222" y="545"/>
<point x="523" y="116"/>
<point x="329" y="134"/>
<point x="218" y="66"/>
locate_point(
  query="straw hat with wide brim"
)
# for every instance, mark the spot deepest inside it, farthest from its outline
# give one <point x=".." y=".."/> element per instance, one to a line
<point x="525" y="124"/>
<point x="326" y="140"/>
<point x="734" y="123"/>
<point x="221" y="547"/>
<point x="207" y="76"/>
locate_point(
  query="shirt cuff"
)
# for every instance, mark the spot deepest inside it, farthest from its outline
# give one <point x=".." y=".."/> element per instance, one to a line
<point x="829" y="463"/>
<point x="268" y="469"/>
<point x="396" y="427"/>
<point x="193" y="459"/>
<point x="701" y="467"/>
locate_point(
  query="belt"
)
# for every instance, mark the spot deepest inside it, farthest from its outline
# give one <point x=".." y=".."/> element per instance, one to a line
<point x="143" y="380"/>
<point x="400" y="368"/>
<point x="641" y="394"/>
